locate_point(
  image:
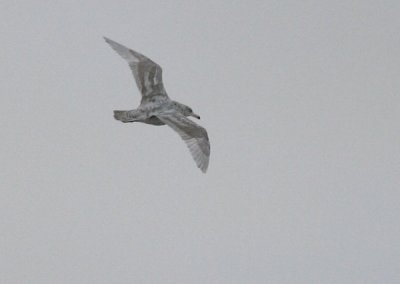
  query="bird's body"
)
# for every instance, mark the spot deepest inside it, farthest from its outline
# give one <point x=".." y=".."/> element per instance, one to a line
<point x="156" y="108"/>
<point x="147" y="113"/>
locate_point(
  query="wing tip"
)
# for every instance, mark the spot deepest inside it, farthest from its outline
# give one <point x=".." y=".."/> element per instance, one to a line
<point x="203" y="166"/>
<point x="115" y="45"/>
<point x="107" y="39"/>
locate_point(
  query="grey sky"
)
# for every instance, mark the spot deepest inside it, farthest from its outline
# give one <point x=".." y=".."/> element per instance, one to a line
<point x="301" y="103"/>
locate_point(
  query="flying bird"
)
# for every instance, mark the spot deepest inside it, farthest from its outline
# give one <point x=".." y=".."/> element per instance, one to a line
<point x="157" y="108"/>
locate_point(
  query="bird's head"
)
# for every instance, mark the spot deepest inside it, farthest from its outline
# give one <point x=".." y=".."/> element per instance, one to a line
<point x="187" y="111"/>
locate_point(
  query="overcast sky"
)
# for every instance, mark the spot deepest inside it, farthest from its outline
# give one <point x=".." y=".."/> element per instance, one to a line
<point x="301" y="103"/>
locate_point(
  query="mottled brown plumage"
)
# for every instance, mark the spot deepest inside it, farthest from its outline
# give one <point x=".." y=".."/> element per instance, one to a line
<point x="157" y="108"/>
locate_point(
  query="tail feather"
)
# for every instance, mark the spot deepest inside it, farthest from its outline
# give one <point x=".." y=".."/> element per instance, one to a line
<point x="124" y="116"/>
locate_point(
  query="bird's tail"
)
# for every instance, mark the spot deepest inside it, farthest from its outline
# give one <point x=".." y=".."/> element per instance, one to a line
<point x="125" y="115"/>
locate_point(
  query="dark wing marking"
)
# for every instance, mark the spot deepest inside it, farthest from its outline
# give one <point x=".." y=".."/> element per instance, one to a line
<point x="147" y="74"/>
<point x="195" y="137"/>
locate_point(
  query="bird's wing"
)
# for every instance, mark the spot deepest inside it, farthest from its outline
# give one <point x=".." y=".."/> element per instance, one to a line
<point x="195" y="137"/>
<point x="148" y="74"/>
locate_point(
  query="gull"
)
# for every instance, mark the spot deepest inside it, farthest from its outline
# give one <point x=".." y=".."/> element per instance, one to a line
<point x="156" y="108"/>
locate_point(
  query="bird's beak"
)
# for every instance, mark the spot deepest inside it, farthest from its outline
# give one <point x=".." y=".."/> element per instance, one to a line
<point x="195" y="115"/>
